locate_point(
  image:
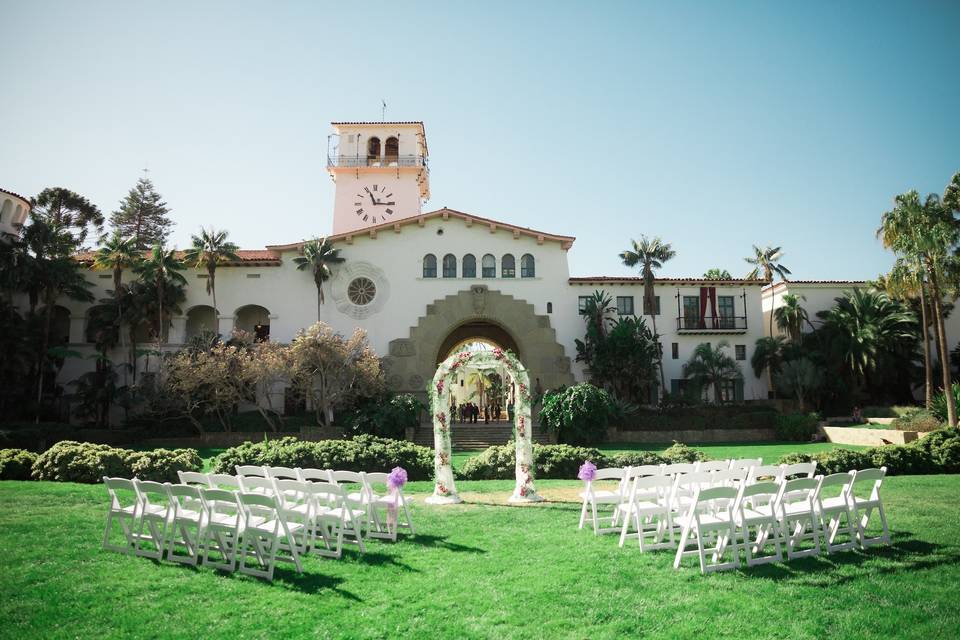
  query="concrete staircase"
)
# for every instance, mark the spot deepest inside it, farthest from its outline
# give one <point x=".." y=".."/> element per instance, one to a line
<point x="477" y="436"/>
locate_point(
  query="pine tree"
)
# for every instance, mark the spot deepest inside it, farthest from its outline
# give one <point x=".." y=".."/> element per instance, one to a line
<point x="142" y="216"/>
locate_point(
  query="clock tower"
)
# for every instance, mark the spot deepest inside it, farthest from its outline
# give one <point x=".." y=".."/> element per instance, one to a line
<point x="380" y="170"/>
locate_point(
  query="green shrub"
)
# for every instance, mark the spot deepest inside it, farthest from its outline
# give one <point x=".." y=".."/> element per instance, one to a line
<point x="795" y="458"/>
<point x="679" y="452"/>
<point x="843" y="460"/>
<point x="387" y="417"/>
<point x="635" y="459"/>
<point x="939" y="405"/>
<point x="796" y="427"/>
<point x="360" y="453"/>
<point x="672" y="417"/>
<point x="549" y="460"/>
<point x="578" y="414"/>
<point x="70" y="461"/>
<point x="902" y="460"/>
<point x="917" y="420"/>
<point x="15" y="464"/>
<point x="35" y="437"/>
<point x="887" y="412"/>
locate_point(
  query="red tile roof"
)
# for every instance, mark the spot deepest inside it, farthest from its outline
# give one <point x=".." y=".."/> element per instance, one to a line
<point x="16" y="195"/>
<point x="247" y="257"/>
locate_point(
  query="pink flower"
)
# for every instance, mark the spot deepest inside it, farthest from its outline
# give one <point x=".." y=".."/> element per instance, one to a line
<point x="440" y="386"/>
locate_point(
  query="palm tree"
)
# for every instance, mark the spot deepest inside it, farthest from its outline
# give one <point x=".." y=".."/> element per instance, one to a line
<point x="117" y="253"/>
<point x="905" y="282"/>
<point x="790" y="316"/>
<point x="767" y="262"/>
<point x="650" y="255"/>
<point x="209" y="249"/>
<point x="924" y="233"/>
<point x="864" y="329"/>
<point x="318" y="255"/>
<point x="161" y="269"/>
<point x="711" y="367"/>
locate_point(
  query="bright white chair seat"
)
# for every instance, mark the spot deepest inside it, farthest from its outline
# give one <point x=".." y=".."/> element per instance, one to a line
<point x="837" y="502"/>
<point x="605" y="497"/>
<point x="643" y="506"/>
<point x="347" y="514"/>
<point x="706" y="521"/>
<point x="752" y="516"/>
<point x="797" y="508"/>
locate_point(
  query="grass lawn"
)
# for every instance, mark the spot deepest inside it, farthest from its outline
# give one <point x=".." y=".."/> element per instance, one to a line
<point x="478" y="570"/>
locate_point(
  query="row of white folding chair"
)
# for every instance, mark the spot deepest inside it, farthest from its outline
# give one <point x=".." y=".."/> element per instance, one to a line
<point x="329" y="509"/>
<point x="783" y="514"/>
<point x="369" y="497"/>
<point x="236" y="525"/>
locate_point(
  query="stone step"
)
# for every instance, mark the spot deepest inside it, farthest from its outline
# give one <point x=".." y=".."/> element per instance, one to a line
<point x="477" y="436"/>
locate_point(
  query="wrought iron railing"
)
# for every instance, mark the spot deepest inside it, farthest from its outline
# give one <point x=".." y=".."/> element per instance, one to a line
<point x="712" y="323"/>
<point x="376" y="161"/>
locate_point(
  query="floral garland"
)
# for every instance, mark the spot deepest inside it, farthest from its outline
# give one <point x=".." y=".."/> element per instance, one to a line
<point x="438" y="392"/>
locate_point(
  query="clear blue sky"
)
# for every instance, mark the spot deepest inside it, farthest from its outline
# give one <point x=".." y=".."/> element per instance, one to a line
<point x="713" y="125"/>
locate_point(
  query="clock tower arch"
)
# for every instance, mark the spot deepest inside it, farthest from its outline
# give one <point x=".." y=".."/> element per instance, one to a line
<point x="380" y="170"/>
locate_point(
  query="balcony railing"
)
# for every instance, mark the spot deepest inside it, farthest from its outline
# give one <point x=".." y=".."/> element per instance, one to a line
<point x="711" y="323"/>
<point x="375" y="161"/>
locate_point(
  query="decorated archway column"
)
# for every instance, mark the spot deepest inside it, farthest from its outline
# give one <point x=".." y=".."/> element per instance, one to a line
<point x="444" y="488"/>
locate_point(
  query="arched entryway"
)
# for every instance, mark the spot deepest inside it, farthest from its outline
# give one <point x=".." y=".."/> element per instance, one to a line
<point x="444" y="489"/>
<point x="476" y="330"/>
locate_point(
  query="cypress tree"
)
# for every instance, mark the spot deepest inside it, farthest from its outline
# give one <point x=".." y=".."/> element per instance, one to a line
<point x="142" y="216"/>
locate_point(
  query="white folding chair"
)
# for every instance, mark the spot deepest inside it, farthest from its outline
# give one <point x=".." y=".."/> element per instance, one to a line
<point x="755" y="511"/>
<point x="685" y="487"/>
<point x="255" y="484"/>
<point x="729" y="477"/>
<point x="125" y="510"/>
<point x="250" y="470"/>
<point x="313" y="475"/>
<point x="766" y="473"/>
<point x="713" y="465"/>
<point x="799" y="521"/>
<point x="834" y="511"/>
<point x="186" y="523"/>
<point x="221" y="533"/>
<point x="863" y="507"/>
<point x="223" y="481"/>
<point x="194" y="478"/>
<point x="799" y="470"/>
<point x="333" y="519"/>
<point x="392" y="501"/>
<point x="282" y="473"/>
<point x="154" y="515"/>
<point x="707" y="523"/>
<point x="265" y="534"/>
<point x="746" y="463"/>
<point x="593" y="497"/>
<point x="648" y="504"/>
<point x="645" y="470"/>
<point x="355" y="492"/>
<point x="298" y="506"/>
<point x="678" y="467"/>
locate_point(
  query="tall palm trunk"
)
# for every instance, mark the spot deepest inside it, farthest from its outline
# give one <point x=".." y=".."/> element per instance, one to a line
<point x="319" y="283"/>
<point x="927" y="364"/>
<point x="159" y="316"/>
<point x="47" y="321"/>
<point x="212" y="272"/>
<point x="652" y="308"/>
<point x="942" y="343"/>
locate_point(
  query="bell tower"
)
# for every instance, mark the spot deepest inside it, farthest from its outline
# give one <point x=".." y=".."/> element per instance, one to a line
<point x="380" y="170"/>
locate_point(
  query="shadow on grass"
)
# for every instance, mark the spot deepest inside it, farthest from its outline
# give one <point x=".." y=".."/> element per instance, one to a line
<point x="441" y="542"/>
<point x="311" y="583"/>
<point x="905" y="554"/>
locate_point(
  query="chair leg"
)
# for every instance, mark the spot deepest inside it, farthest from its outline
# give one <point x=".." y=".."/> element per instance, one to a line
<point x="583" y="514"/>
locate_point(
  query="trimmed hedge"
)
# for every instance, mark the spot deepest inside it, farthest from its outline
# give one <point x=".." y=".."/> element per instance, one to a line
<point x="938" y="452"/>
<point x="702" y="418"/>
<point x="917" y="420"/>
<point x="15" y="464"/>
<point x="360" y="453"/>
<point x="796" y="427"/>
<point x="70" y="461"/>
<point x="562" y="461"/>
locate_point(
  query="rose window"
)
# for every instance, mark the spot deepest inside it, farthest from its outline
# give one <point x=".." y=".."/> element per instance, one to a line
<point x="361" y="291"/>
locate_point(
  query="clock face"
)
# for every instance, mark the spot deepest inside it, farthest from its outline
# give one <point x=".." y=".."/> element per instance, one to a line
<point x="375" y="203"/>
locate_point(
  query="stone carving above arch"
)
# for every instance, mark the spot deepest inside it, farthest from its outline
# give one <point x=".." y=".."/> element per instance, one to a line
<point x="347" y="273"/>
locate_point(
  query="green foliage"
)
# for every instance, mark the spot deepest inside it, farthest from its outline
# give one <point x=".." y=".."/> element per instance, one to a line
<point x="843" y="460"/>
<point x="800" y="378"/>
<point x="558" y="461"/>
<point x="635" y="459"/>
<point x="717" y="274"/>
<point x="876" y="411"/>
<point x="15" y="464"/>
<point x="939" y="405"/>
<point x="622" y="358"/>
<point x="360" y="453"/>
<point x="578" y="414"/>
<point x="709" y="367"/>
<point x="796" y="458"/>
<point x="797" y="427"/>
<point x="142" y="216"/>
<point x="679" y="452"/>
<point x="918" y="420"/>
<point x="388" y="417"/>
<point x="705" y="417"/>
<point x="70" y="461"/>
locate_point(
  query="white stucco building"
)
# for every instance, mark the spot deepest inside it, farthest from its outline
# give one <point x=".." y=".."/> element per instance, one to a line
<point x="14" y="210"/>
<point x="422" y="281"/>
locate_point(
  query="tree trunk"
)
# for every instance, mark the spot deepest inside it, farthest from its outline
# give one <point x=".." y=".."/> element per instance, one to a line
<point x="47" y="319"/>
<point x="944" y="353"/>
<point x="159" y="317"/>
<point x="927" y="364"/>
<point x="216" y="309"/>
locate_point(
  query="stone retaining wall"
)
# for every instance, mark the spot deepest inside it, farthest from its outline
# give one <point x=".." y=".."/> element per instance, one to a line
<point x="866" y="437"/>
<point x="692" y="435"/>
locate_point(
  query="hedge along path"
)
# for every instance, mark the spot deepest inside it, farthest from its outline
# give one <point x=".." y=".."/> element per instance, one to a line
<point x="444" y="487"/>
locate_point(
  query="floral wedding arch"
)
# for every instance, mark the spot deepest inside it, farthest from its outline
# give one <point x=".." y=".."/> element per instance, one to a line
<point x="444" y="489"/>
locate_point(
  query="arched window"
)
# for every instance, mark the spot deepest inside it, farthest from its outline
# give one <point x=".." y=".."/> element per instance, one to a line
<point x="549" y="307"/>
<point x="373" y="150"/>
<point x="469" y="266"/>
<point x="392" y="148"/>
<point x="528" y="267"/>
<point x="488" y="264"/>
<point x="449" y="266"/>
<point x="508" y="267"/>
<point x="429" y="266"/>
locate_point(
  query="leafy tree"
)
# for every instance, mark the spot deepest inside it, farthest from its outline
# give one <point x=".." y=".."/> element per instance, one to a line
<point x="766" y="261"/>
<point x="624" y="360"/>
<point x="116" y="254"/>
<point x="791" y="317"/>
<point x="800" y="378"/>
<point x="717" y="274"/>
<point x="331" y="370"/>
<point x="649" y="255"/>
<point x="161" y="269"/>
<point x="318" y="255"/>
<point x="269" y="366"/>
<point x="67" y="213"/>
<point x="710" y="367"/>
<point x="768" y="353"/>
<point x="579" y="414"/>
<point x="925" y="233"/>
<point x="209" y="382"/>
<point x="142" y="216"/>
<point x="208" y="250"/>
